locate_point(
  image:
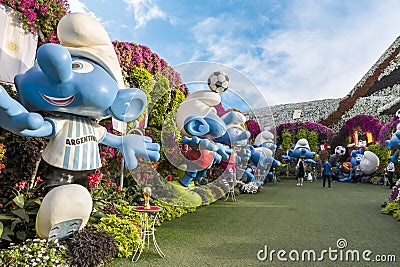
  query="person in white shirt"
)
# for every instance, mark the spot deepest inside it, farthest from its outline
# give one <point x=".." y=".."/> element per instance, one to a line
<point x="390" y="169"/>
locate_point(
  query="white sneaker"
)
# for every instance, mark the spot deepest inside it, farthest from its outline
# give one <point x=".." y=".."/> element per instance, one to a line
<point x="297" y="184"/>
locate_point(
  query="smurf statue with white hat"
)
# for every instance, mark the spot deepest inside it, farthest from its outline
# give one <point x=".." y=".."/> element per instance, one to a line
<point x="236" y="138"/>
<point x="78" y="83"/>
<point x="199" y="123"/>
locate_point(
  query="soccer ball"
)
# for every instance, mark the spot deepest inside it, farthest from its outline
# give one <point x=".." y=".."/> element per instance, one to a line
<point x="340" y="151"/>
<point x="398" y="114"/>
<point x="218" y="81"/>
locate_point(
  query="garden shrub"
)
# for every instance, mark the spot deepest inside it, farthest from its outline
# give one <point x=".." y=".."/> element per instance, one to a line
<point x="126" y="234"/>
<point x="382" y="152"/>
<point x="391" y="208"/>
<point x="18" y="217"/>
<point x="301" y="133"/>
<point x="171" y="212"/>
<point x="91" y="247"/>
<point x="396" y="215"/>
<point x="313" y="141"/>
<point x="286" y="140"/>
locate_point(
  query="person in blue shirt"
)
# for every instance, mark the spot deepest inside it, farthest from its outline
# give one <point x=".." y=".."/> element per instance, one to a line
<point x="326" y="172"/>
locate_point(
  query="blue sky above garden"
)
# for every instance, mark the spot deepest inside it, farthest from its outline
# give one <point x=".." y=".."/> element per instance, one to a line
<point x="291" y="51"/>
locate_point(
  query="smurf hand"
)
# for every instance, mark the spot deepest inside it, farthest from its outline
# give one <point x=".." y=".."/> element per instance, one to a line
<point x="14" y="117"/>
<point x="217" y="158"/>
<point x="134" y="146"/>
<point x="224" y="151"/>
<point x="245" y="154"/>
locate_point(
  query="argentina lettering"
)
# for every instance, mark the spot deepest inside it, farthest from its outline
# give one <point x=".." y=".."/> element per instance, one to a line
<point x="80" y="140"/>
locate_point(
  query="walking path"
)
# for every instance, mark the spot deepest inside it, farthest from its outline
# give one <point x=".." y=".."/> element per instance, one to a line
<point x="282" y="217"/>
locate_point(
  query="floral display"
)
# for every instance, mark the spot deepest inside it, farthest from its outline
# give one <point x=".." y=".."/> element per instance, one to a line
<point x="387" y="130"/>
<point x="2" y="157"/>
<point x="324" y="133"/>
<point x="366" y="123"/>
<point x="131" y="54"/>
<point x="253" y="127"/>
<point x="35" y="252"/>
<point x="40" y="16"/>
<point x="323" y="122"/>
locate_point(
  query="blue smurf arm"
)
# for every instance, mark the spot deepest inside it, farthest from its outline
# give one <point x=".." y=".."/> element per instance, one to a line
<point x="16" y="119"/>
<point x="199" y="143"/>
<point x="133" y="146"/>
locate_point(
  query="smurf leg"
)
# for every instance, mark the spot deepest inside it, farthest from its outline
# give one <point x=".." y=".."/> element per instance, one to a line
<point x="188" y="178"/>
<point x="200" y="175"/>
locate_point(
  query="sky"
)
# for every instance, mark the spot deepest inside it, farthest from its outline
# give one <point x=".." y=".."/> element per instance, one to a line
<point x="274" y="52"/>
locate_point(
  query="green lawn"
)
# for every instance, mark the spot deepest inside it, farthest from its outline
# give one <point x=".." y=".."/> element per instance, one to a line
<point x="281" y="217"/>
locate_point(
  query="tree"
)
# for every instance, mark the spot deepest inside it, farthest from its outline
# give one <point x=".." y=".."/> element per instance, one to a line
<point x="286" y="140"/>
<point x="313" y="141"/>
<point x="302" y="133"/>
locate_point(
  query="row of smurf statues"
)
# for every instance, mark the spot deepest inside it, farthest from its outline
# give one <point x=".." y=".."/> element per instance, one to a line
<point x="78" y="83"/>
<point x="221" y="140"/>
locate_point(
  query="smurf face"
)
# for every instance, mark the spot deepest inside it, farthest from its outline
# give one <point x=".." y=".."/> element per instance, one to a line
<point x="270" y="145"/>
<point x="235" y="137"/>
<point x="61" y="83"/>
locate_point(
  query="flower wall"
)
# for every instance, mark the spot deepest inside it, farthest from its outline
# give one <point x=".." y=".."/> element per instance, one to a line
<point x="40" y="15"/>
<point x="135" y="55"/>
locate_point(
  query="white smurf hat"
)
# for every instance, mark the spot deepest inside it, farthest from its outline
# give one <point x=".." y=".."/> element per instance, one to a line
<point x="199" y="103"/>
<point x="84" y="36"/>
<point x="302" y="143"/>
<point x="264" y="136"/>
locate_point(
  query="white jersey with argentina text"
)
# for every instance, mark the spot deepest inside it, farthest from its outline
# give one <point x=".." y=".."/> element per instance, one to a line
<point x="75" y="144"/>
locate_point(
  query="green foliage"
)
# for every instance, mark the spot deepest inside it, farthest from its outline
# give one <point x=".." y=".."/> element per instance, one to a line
<point x="107" y="198"/>
<point x="382" y="152"/>
<point x="171" y="212"/>
<point x="177" y="98"/>
<point x="391" y="208"/>
<point x="396" y="215"/>
<point x="18" y="220"/>
<point x="137" y="77"/>
<point x="36" y="252"/>
<point x="301" y="133"/>
<point x="286" y="140"/>
<point x="313" y="141"/>
<point x="125" y="232"/>
<point x="91" y="247"/>
<point x="140" y="78"/>
<point x="160" y="99"/>
<point x="22" y="158"/>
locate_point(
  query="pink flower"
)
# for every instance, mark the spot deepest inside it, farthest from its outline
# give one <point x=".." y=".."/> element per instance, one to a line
<point x="21" y="185"/>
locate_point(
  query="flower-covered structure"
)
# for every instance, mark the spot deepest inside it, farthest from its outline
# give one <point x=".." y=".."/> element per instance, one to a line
<point x="40" y="16"/>
<point x="324" y="133"/>
<point x="366" y="123"/>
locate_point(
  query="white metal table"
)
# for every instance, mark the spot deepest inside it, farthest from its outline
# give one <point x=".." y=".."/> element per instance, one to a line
<point x="147" y="229"/>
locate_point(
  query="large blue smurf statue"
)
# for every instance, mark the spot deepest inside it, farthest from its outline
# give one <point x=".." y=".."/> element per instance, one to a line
<point x="394" y="145"/>
<point x="301" y="150"/>
<point x="199" y="123"/>
<point x="236" y="137"/>
<point x="78" y="83"/>
<point x="266" y="139"/>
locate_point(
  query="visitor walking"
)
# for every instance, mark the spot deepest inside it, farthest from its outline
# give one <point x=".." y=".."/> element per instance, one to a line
<point x="390" y="169"/>
<point x="300" y="172"/>
<point x="326" y="172"/>
<point x="358" y="175"/>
